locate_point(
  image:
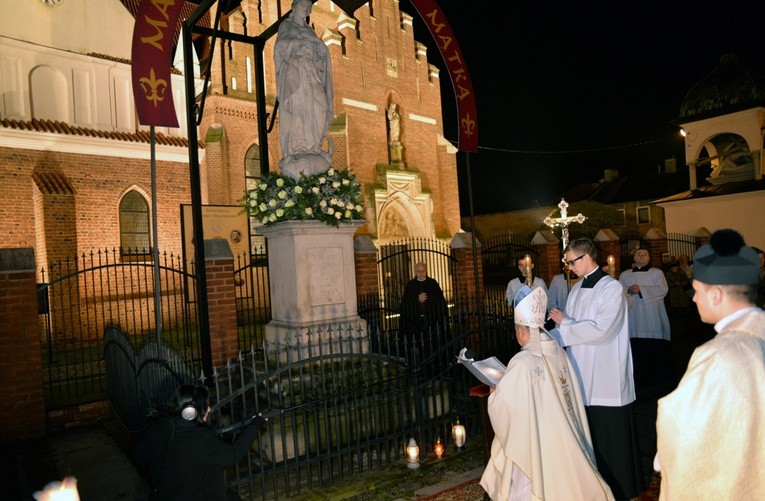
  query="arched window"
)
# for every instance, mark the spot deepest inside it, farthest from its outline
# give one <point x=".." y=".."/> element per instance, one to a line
<point x="251" y="180"/>
<point x="135" y="231"/>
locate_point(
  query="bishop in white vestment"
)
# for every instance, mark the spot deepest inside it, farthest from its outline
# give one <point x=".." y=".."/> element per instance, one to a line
<point x="542" y="447"/>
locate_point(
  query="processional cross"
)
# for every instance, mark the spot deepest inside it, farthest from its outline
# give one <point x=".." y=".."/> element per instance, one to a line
<point x="563" y="221"/>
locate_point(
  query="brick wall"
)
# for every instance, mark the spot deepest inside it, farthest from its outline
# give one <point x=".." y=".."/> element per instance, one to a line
<point x="23" y="413"/>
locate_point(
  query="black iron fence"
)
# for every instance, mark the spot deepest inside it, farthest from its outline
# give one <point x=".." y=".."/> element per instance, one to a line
<point x="253" y="297"/>
<point x="347" y="398"/>
<point x="81" y="297"/>
<point x="500" y="255"/>
<point x="395" y="268"/>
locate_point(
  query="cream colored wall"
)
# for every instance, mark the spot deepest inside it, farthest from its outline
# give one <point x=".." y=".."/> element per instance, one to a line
<point x="80" y="26"/>
<point x="743" y="212"/>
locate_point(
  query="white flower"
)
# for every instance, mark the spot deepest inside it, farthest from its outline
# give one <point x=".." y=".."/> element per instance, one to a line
<point x="315" y="190"/>
<point x="338" y="215"/>
<point x="359" y="208"/>
<point x="330" y="211"/>
<point x="253" y="202"/>
<point x="282" y="194"/>
<point x="262" y="207"/>
<point x="263" y="186"/>
<point x="272" y="203"/>
<point x="340" y="204"/>
<point x="264" y="220"/>
<point x="308" y="211"/>
<point x="298" y="189"/>
<point x="280" y="182"/>
<point x="289" y="203"/>
<point x="335" y="184"/>
<point x="331" y="171"/>
<point x="272" y="218"/>
<point x="322" y="180"/>
<point x="323" y="203"/>
<point x="346" y="182"/>
<point x="279" y="212"/>
<point x="333" y="201"/>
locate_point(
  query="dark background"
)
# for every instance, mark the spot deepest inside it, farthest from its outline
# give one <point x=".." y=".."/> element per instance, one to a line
<point x="565" y="90"/>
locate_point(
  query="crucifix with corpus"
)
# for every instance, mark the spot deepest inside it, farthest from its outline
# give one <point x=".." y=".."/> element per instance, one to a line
<point x="563" y="221"/>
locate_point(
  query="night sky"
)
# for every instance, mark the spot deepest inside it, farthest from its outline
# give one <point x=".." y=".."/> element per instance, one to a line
<point x="567" y="89"/>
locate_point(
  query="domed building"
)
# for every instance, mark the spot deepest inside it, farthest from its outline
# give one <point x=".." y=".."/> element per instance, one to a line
<point x="722" y="119"/>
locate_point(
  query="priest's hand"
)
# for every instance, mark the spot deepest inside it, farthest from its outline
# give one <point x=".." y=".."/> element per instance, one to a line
<point x="422" y="297"/>
<point x="556" y="315"/>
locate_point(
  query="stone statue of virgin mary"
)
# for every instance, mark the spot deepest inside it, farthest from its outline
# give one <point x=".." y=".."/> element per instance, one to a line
<point x="305" y="91"/>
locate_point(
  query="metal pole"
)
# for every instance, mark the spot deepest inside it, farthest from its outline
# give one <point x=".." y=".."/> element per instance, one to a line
<point x="472" y="223"/>
<point x="155" y="238"/>
<point x="203" y="317"/>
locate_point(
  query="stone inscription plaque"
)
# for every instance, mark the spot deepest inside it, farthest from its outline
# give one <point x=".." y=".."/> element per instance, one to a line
<point x="325" y="276"/>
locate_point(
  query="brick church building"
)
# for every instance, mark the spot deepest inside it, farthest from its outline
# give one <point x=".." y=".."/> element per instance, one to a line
<point x="75" y="162"/>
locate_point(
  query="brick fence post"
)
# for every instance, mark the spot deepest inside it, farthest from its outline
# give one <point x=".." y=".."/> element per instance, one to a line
<point x="702" y="237"/>
<point x="465" y="285"/>
<point x="549" y="262"/>
<point x="365" y="262"/>
<point x="22" y="414"/>
<point x="221" y="300"/>
<point x="659" y="247"/>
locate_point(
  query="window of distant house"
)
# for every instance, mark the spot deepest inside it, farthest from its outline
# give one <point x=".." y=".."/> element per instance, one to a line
<point x="623" y="219"/>
<point x="251" y="181"/>
<point x="643" y="215"/>
<point x="135" y="240"/>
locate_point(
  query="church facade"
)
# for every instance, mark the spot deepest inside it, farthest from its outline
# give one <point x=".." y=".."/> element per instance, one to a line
<point x="75" y="162"/>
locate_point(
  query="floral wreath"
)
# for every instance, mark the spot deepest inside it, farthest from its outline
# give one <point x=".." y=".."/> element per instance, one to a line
<point x="331" y="197"/>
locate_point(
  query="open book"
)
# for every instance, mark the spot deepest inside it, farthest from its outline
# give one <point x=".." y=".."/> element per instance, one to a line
<point x="488" y="371"/>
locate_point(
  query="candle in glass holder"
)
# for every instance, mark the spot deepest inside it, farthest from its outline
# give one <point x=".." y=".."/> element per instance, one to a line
<point x="527" y="267"/>
<point x="611" y="266"/>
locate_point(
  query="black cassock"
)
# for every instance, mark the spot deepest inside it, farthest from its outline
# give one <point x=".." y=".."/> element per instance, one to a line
<point x="423" y="324"/>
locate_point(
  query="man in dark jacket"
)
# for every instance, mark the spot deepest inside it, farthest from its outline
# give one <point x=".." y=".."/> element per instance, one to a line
<point x="185" y="457"/>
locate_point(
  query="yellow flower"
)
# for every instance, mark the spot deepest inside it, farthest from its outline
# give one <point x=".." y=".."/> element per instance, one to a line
<point x="272" y="218"/>
<point x="272" y="203"/>
<point x="279" y="212"/>
<point x="280" y="182"/>
<point x="262" y="207"/>
<point x="298" y="189"/>
<point x="346" y="182"/>
<point x="289" y="203"/>
<point x="347" y="214"/>
<point x="331" y="171"/>
<point x="282" y="194"/>
<point x="308" y="211"/>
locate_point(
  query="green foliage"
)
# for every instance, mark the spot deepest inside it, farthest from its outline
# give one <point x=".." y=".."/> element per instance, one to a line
<point x="330" y="197"/>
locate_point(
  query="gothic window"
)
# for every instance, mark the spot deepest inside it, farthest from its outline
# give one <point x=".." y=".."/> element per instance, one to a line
<point x="135" y="240"/>
<point x="251" y="180"/>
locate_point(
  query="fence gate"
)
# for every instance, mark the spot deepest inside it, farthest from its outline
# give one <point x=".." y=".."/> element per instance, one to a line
<point x="81" y="297"/>
<point x="395" y="267"/>
<point x="500" y="255"/>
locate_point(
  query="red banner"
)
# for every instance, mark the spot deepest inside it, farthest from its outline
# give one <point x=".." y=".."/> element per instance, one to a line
<point x="463" y="88"/>
<point x="152" y="61"/>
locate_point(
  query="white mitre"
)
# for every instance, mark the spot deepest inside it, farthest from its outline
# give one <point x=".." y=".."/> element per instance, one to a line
<point x="530" y="306"/>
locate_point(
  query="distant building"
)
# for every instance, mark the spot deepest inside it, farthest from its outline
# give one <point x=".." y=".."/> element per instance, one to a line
<point x="720" y="184"/>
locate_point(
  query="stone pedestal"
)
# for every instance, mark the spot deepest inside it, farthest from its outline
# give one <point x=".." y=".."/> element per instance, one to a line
<point x="313" y="288"/>
<point x="396" y="154"/>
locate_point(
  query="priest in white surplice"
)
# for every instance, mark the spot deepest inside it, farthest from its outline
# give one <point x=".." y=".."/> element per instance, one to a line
<point x="646" y="287"/>
<point x="514" y="285"/>
<point x="542" y="447"/>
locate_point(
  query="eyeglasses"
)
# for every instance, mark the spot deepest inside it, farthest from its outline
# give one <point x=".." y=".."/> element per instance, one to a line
<point x="571" y="263"/>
